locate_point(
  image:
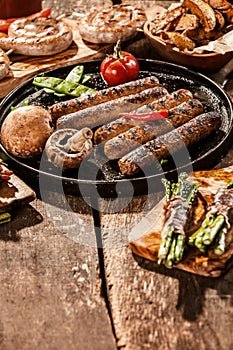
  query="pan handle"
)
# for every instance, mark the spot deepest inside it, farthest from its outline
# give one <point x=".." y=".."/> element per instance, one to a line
<point x="224" y="75"/>
<point x="228" y="77"/>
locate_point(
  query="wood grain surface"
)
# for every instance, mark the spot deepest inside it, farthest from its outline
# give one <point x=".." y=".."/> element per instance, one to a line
<point x="50" y="293"/>
<point x="156" y="308"/>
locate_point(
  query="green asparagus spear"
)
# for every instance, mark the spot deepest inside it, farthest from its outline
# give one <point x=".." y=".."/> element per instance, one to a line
<point x="179" y="249"/>
<point x="220" y="244"/>
<point x="168" y="189"/>
<point x="200" y="232"/>
<point x="215" y="226"/>
<point x="165" y="244"/>
<point x="230" y="183"/>
<point x="173" y="242"/>
<point x="171" y="254"/>
<point x="213" y="229"/>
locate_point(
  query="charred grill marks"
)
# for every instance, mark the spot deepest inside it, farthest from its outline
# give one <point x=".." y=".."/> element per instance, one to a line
<point x="161" y="147"/>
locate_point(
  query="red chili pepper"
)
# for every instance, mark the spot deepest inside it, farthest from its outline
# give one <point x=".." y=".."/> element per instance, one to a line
<point x="5" y="23"/>
<point x="43" y="13"/>
<point x="146" y="116"/>
<point x="4" y="26"/>
<point x="5" y="174"/>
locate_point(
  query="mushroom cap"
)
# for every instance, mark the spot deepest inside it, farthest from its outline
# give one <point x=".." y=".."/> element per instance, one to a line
<point x="58" y="150"/>
<point x="25" y="131"/>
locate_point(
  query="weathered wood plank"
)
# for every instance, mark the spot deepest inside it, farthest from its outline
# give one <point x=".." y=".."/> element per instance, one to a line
<point x="156" y="308"/>
<point x="50" y="291"/>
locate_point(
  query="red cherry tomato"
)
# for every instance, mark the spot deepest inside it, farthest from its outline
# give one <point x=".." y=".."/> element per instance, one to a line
<point x="119" y="68"/>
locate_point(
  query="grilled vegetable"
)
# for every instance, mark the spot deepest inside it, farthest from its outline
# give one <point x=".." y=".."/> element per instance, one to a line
<point x="179" y="198"/>
<point x="69" y="86"/>
<point x="216" y="224"/>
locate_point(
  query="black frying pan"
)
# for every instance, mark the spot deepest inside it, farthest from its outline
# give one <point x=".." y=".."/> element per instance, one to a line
<point x="97" y="176"/>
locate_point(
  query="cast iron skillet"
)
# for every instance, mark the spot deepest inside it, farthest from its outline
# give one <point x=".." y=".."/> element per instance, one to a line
<point x="102" y="178"/>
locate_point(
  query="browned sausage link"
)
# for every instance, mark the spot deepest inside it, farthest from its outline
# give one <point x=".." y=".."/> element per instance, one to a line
<point x="112" y="129"/>
<point x="191" y="107"/>
<point x="105" y="112"/>
<point x="118" y="126"/>
<point x="132" y="138"/>
<point x="100" y="96"/>
<point x="172" y="100"/>
<point x="184" y="136"/>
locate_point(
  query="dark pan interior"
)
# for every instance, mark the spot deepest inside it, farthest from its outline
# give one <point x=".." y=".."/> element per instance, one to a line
<point x="103" y="177"/>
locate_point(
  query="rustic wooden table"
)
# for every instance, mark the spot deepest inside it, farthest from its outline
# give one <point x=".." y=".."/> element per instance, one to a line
<point x="69" y="281"/>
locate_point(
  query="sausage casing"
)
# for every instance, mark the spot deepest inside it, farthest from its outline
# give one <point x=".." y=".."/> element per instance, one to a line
<point x="100" y="96"/>
<point x="37" y="37"/>
<point x="172" y="100"/>
<point x="105" y="112"/>
<point x="117" y="22"/>
<point x="161" y="147"/>
<point x="120" y="125"/>
<point x="132" y="138"/>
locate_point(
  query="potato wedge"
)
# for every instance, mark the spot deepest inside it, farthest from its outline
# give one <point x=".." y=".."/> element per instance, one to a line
<point x="187" y="21"/>
<point x="220" y="20"/>
<point x="182" y="42"/>
<point x="167" y="19"/>
<point x="221" y="5"/>
<point x="229" y="16"/>
<point x="203" y="11"/>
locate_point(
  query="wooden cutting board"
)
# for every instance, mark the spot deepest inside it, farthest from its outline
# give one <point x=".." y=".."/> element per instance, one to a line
<point x="14" y="193"/>
<point x="145" y="238"/>
<point x="24" y="67"/>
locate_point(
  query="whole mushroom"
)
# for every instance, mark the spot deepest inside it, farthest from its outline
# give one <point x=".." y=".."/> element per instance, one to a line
<point x="67" y="148"/>
<point x="25" y="131"/>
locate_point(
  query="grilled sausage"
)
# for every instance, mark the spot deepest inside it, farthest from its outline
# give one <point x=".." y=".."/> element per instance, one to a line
<point x="118" y="126"/>
<point x="127" y="141"/>
<point x="117" y="22"/>
<point x="100" y="96"/>
<point x="37" y="37"/>
<point x="112" y="129"/>
<point x="172" y="100"/>
<point x="104" y="112"/>
<point x="161" y="147"/>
